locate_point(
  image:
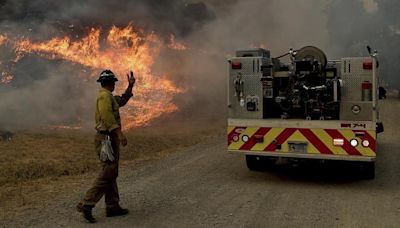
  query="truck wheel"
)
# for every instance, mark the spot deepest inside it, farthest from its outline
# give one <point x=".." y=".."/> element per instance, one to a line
<point x="368" y="170"/>
<point x="254" y="163"/>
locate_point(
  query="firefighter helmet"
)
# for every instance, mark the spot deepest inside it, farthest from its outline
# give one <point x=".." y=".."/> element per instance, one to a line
<point x="107" y="75"/>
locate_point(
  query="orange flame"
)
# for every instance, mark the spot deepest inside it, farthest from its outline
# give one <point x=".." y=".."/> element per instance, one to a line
<point x="122" y="50"/>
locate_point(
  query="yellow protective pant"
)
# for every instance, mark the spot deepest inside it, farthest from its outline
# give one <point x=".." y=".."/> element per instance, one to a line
<point x="106" y="181"/>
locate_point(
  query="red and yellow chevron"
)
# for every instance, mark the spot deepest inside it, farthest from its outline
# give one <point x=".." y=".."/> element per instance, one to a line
<point x="317" y="141"/>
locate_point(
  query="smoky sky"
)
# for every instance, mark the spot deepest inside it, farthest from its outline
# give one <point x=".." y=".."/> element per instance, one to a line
<point x="355" y="24"/>
<point x="51" y="91"/>
<point x="163" y="16"/>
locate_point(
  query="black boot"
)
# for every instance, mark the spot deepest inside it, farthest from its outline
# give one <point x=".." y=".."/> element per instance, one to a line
<point x="86" y="211"/>
<point x="116" y="211"/>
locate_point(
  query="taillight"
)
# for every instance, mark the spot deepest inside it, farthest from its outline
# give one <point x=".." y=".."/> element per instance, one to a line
<point x="236" y="65"/>
<point x="367" y="65"/>
<point x="365" y="143"/>
<point x="235" y="138"/>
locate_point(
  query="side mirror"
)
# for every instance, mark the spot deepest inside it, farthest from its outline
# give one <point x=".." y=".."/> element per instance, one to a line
<point x="369" y="50"/>
<point x="382" y="93"/>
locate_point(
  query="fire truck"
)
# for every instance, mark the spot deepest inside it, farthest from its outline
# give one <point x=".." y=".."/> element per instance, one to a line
<point x="305" y="108"/>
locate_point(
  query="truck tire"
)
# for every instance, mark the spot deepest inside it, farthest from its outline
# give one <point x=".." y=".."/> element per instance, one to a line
<point x="254" y="163"/>
<point x="368" y="170"/>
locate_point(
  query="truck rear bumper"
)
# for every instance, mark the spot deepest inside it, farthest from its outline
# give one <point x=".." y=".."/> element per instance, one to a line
<point x="333" y="140"/>
<point x="305" y="156"/>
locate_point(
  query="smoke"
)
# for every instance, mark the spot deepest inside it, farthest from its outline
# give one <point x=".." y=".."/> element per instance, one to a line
<point x="48" y="94"/>
<point x="353" y="25"/>
<point x="164" y="16"/>
<point x="370" y="6"/>
<point x="277" y="25"/>
<point x="45" y="102"/>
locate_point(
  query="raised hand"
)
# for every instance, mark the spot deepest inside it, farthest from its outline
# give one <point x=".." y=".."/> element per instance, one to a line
<point x="131" y="79"/>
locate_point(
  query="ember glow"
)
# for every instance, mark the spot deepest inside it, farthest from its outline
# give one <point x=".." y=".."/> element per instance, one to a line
<point x="6" y="78"/>
<point x="3" y="39"/>
<point x="122" y="50"/>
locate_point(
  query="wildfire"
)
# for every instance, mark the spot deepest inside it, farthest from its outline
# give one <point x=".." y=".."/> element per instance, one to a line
<point x="6" y="78"/>
<point x="123" y="49"/>
<point x="3" y="39"/>
<point x="175" y="45"/>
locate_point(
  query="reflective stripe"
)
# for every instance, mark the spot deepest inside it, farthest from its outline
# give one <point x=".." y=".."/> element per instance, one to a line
<point x="319" y="141"/>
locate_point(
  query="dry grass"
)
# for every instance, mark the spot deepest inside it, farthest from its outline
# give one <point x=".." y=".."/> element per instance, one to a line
<point x="31" y="156"/>
<point x="34" y="163"/>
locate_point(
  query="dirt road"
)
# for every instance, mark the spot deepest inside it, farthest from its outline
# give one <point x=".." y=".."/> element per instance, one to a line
<point x="206" y="187"/>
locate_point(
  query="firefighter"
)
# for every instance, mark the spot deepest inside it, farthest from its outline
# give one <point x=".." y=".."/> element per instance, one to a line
<point x="108" y="125"/>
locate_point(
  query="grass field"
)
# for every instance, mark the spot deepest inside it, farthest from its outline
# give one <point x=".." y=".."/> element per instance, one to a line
<point x="34" y="164"/>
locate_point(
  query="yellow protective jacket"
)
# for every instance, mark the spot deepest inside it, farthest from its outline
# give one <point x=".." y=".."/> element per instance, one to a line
<point x="107" y="110"/>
